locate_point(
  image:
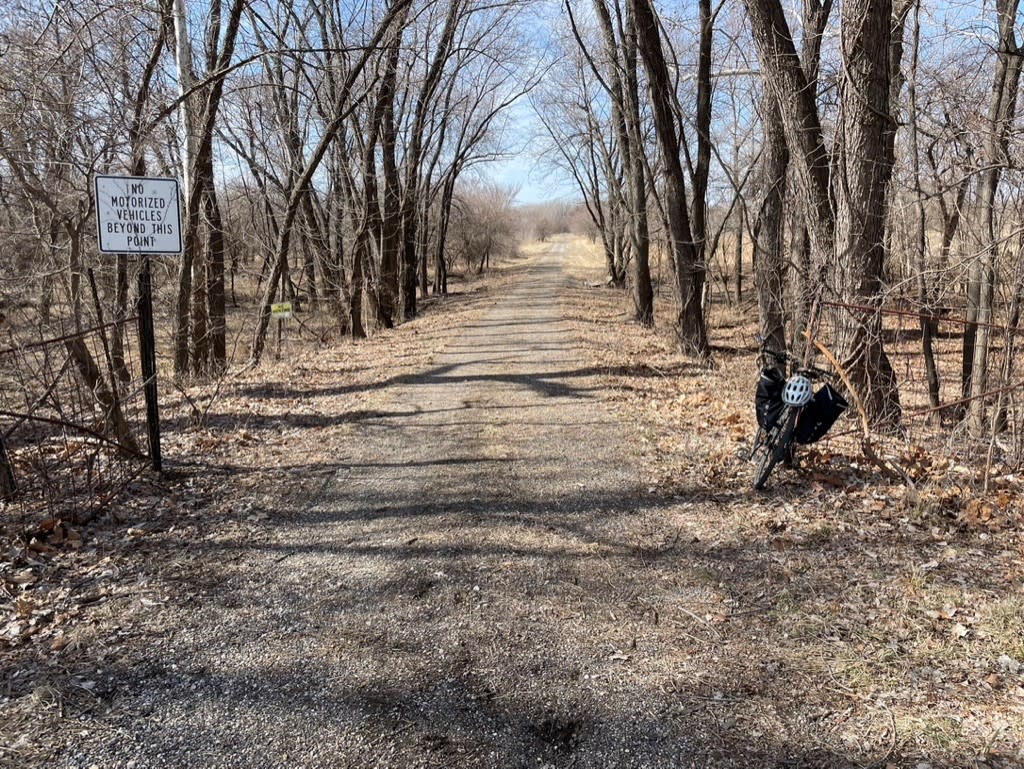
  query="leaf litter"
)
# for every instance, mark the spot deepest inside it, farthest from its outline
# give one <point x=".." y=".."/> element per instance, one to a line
<point x="838" y="613"/>
<point x="896" y="612"/>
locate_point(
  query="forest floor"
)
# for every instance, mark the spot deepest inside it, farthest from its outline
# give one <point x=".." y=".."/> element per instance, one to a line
<point x="515" y="532"/>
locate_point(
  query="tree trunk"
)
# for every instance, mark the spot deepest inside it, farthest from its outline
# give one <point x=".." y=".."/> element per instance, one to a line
<point x="702" y="169"/>
<point x="846" y="247"/>
<point x="115" y="424"/>
<point x="183" y="309"/>
<point x="215" y="292"/>
<point x="408" y="269"/>
<point x="200" y="326"/>
<point x="199" y="131"/>
<point x="391" y="224"/>
<point x="784" y="76"/>
<point x="8" y="481"/>
<point x="1002" y="111"/>
<point x="804" y="281"/>
<point x="355" y="306"/>
<point x="440" y="265"/>
<point x="620" y="82"/>
<point x="616" y="223"/>
<point x="924" y="294"/>
<point x="862" y="179"/>
<point x="424" y="245"/>
<point x="737" y="260"/>
<point x="75" y="271"/>
<point x="688" y="269"/>
<point x="333" y="265"/>
<point x="769" y="261"/>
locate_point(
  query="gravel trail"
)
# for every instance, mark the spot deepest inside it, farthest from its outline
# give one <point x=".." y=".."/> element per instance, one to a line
<point x="470" y="578"/>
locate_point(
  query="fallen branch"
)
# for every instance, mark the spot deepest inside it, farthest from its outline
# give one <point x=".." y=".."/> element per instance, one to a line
<point x="113" y="417"/>
<point x="888" y="468"/>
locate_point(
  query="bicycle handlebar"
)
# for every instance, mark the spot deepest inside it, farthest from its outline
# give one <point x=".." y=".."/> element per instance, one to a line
<point x="783" y="356"/>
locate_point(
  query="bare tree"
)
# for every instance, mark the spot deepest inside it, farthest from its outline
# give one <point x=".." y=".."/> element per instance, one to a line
<point x="1002" y="111"/>
<point x="342" y="109"/>
<point x="620" y="78"/>
<point x="574" y="112"/>
<point x="847" y="245"/>
<point x="688" y="257"/>
<point x="769" y="220"/>
<point x="197" y="316"/>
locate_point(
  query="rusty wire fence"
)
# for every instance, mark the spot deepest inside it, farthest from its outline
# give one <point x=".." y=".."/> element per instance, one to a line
<point x="939" y="433"/>
<point x="72" y="422"/>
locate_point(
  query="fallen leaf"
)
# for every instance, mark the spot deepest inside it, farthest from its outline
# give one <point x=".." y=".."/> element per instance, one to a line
<point x="24" y="607"/>
<point x="37" y="546"/>
<point x="23" y="577"/>
<point x="1008" y="664"/>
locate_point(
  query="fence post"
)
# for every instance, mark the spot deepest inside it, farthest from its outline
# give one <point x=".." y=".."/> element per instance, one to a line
<point x="147" y="354"/>
<point x="8" y="484"/>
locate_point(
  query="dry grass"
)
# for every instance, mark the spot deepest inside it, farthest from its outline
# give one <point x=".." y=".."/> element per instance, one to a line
<point x="897" y="618"/>
<point x="838" y="614"/>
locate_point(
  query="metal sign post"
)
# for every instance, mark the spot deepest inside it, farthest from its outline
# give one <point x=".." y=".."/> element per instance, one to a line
<point x="141" y="215"/>
<point x="147" y="354"/>
<point x="281" y="311"/>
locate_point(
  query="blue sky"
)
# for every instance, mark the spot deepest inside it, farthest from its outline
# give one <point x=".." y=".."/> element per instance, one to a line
<point x="537" y="183"/>
<point x="525" y="166"/>
<point x="525" y="138"/>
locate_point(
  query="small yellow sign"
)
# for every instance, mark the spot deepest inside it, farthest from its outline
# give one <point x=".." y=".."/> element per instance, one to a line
<point x="281" y="310"/>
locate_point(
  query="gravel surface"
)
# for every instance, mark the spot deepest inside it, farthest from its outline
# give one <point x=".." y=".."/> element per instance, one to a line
<point x="428" y="600"/>
<point x="465" y="572"/>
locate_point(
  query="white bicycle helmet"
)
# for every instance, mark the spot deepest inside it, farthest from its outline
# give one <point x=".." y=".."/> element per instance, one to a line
<point x="797" y="391"/>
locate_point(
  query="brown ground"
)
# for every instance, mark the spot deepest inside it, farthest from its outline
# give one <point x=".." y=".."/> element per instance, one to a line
<point x="514" y="534"/>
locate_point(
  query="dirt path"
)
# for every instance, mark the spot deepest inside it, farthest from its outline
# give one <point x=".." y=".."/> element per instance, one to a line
<point x="462" y="588"/>
<point x="442" y="548"/>
<point x="461" y="567"/>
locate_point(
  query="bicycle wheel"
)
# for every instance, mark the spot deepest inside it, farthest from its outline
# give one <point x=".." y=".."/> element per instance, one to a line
<point x="775" y="446"/>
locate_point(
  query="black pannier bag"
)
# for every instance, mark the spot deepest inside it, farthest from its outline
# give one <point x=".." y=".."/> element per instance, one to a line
<point x="768" y="398"/>
<point x="819" y="415"/>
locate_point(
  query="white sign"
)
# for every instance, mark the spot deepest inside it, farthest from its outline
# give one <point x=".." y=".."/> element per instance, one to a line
<point x="138" y="215"/>
<point x="281" y="310"/>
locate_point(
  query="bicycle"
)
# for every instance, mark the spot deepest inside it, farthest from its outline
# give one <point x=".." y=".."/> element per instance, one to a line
<point x="789" y="411"/>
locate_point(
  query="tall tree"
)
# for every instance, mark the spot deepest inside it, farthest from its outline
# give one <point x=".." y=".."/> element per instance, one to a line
<point x="847" y="246"/>
<point x="861" y="184"/>
<point x="414" y="158"/>
<point x="343" y="107"/>
<point x="769" y="220"/>
<point x="620" y="80"/>
<point x="1002" y="110"/>
<point x="200" y="121"/>
<point x="688" y="258"/>
<point x="574" y="113"/>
